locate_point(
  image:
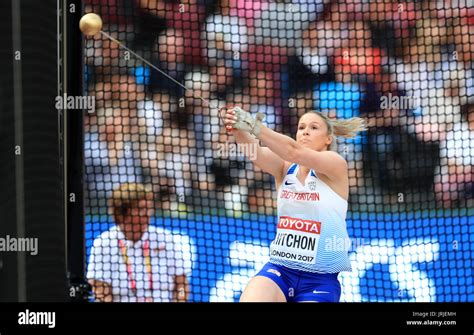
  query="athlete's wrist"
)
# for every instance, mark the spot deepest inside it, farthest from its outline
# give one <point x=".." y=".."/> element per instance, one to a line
<point x="257" y="126"/>
<point x="246" y="122"/>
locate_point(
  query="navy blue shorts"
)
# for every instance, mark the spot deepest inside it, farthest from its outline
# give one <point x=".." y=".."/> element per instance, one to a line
<point x="298" y="286"/>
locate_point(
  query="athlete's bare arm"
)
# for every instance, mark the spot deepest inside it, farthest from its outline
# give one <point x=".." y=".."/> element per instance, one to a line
<point x="281" y="149"/>
<point x="329" y="163"/>
<point x="265" y="159"/>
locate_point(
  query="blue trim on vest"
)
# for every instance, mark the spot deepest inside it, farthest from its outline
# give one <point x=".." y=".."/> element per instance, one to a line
<point x="292" y="169"/>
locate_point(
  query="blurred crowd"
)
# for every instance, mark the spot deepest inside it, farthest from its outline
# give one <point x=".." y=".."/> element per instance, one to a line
<point x="405" y="66"/>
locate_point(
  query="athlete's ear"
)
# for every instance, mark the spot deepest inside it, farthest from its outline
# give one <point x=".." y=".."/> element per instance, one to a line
<point x="329" y="140"/>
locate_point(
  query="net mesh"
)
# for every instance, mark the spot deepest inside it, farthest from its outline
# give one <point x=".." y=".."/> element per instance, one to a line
<point x="404" y="66"/>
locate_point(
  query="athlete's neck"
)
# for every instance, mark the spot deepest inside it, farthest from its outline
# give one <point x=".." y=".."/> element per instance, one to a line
<point x="304" y="171"/>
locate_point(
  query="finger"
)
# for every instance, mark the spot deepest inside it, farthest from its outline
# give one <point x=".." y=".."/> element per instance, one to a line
<point x="225" y="111"/>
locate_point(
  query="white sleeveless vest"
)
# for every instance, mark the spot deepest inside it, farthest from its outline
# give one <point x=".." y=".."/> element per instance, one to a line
<point x="311" y="231"/>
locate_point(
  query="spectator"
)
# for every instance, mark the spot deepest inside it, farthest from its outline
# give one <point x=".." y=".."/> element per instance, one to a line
<point x="223" y="76"/>
<point x="463" y="57"/>
<point x="224" y="36"/>
<point x="427" y="71"/>
<point x="111" y="11"/>
<point x="105" y="56"/>
<point x="398" y="159"/>
<point x="198" y="83"/>
<point x="183" y="19"/>
<point x="260" y="93"/>
<point x="398" y="16"/>
<point x="120" y="140"/>
<point x="300" y="103"/>
<point x="448" y="8"/>
<point x="112" y="155"/>
<point x="154" y="121"/>
<point x="122" y="90"/>
<point x="454" y="184"/>
<point x="176" y="163"/>
<point x="323" y="38"/>
<point x="154" y="114"/>
<point x="134" y="261"/>
<point x="261" y="197"/>
<point x="202" y="116"/>
<point x="282" y="24"/>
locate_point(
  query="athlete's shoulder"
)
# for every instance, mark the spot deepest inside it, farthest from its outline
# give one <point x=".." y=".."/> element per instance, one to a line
<point x="336" y="158"/>
<point x="334" y="154"/>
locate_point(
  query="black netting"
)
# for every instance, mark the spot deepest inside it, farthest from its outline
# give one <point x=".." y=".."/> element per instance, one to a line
<point x="207" y="214"/>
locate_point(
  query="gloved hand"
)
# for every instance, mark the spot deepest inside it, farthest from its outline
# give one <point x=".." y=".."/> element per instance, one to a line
<point x="245" y="121"/>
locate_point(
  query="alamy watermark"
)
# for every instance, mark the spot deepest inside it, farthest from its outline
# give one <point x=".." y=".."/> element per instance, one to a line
<point x="86" y="102"/>
<point x="19" y="244"/>
<point x="335" y="243"/>
<point x="390" y="101"/>
<point x="37" y="318"/>
<point x="236" y="150"/>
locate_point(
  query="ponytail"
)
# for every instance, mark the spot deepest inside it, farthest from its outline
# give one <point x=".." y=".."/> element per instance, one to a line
<point x="347" y="128"/>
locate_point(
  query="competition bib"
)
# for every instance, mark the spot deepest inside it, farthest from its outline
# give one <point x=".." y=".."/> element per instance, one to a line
<point x="296" y="240"/>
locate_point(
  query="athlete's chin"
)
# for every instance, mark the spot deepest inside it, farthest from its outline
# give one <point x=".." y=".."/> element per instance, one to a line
<point x="307" y="144"/>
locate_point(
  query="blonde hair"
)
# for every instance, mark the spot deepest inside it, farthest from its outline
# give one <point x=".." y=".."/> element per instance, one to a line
<point x="127" y="196"/>
<point x="347" y="128"/>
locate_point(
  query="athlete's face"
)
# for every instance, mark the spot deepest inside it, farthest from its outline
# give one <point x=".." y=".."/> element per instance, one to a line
<point x="313" y="132"/>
